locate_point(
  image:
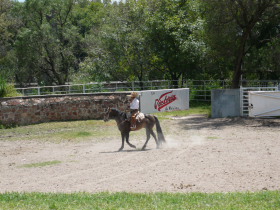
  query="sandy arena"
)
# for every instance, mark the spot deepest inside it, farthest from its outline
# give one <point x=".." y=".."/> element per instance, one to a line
<point x="202" y="155"/>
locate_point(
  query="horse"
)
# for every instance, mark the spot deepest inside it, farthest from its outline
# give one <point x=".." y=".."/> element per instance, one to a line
<point x="124" y="127"/>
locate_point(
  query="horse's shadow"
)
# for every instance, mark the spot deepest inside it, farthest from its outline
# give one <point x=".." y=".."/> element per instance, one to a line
<point x="123" y="151"/>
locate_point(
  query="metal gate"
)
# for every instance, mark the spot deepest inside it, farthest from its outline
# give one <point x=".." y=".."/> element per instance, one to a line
<point x="264" y="103"/>
<point x="244" y="97"/>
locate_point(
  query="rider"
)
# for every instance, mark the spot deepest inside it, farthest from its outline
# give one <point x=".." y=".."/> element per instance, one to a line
<point x="134" y="109"/>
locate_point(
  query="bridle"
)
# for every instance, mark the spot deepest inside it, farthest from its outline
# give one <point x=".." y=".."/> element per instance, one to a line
<point x="107" y="113"/>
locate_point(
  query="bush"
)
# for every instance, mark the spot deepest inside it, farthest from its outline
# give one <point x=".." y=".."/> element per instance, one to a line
<point x="7" y="90"/>
<point x="2" y="87"/>
<point x="11" y="91"/>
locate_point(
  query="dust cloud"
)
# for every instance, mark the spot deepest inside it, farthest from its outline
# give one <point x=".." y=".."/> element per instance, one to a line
<point x="172" y="142"/>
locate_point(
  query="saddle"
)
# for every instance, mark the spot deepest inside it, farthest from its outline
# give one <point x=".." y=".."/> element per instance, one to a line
<point x="140" y="116"/>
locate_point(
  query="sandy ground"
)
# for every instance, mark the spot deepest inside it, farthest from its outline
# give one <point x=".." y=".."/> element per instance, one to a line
<point x="202" y="155"/>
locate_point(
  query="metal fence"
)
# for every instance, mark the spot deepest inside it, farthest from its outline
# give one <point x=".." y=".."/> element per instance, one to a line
<point x="200" y="90"/>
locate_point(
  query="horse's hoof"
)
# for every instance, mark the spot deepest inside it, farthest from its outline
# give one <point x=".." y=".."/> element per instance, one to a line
<point x="120" y="149"/>
<point x="143" y="148"/>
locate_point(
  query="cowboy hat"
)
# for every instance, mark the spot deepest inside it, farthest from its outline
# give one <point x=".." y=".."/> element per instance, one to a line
<point x="133" y="95"/>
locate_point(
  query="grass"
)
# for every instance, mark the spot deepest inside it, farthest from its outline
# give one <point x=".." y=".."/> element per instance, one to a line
<point x="41" y="164"/>
<point x="158" y="201"/>
<point x="212" y="137"/>
<point x="202" y="108"/>
<point x="57" y="132"/>
<point x="76" y="131"/>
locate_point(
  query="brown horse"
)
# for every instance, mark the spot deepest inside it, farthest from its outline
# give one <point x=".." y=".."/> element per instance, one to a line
<point x="124" y="126"/>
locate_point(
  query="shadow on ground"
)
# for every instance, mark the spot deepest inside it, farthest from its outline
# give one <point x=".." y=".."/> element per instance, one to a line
<point x="201" y="121"/>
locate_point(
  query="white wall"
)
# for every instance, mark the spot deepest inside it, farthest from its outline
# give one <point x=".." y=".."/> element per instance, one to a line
<point x="153" y="101"/>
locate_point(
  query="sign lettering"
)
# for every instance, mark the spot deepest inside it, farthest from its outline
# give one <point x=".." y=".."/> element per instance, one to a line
<point x="164" y="100"/>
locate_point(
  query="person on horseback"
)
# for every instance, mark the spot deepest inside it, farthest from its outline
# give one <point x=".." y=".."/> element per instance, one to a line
<point x="134" y="109"/>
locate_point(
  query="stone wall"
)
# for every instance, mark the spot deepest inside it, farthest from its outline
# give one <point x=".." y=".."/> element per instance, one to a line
<point x="39" y="109"/>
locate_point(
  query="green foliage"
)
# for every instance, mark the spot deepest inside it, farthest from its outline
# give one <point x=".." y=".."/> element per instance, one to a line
<point x="60" y="41"/>
<point x="123" y="200"/>
<point x="7" y="126"/>
<point x="7" y="90"/>
<point x="173" y="34"/>
<point x="237" y="30"/>
<point x="11" y="91"/>
<point x="3" y="86"/>
<point x="263" y="63"/>
<point x="49" y="44"/>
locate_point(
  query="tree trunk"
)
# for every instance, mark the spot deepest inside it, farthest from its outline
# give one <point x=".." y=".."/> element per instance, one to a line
<point x="239" y="60"/>
<point x="237" y="71"/>
<point x="175" y="78"/>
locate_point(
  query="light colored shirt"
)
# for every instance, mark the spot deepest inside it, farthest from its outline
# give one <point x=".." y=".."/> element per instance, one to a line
<point x="134" y="104"/>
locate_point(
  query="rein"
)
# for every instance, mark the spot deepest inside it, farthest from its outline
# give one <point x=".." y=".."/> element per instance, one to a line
<point x="122" y="116"/>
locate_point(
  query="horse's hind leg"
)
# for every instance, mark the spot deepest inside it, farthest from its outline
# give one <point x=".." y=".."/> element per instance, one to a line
<point x="148" y="134"/>
<point x="155" y="137"/>
<point x="127" y="141"/>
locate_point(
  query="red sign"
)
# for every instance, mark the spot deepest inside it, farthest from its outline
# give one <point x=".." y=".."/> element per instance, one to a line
<point x="164" y="100"/>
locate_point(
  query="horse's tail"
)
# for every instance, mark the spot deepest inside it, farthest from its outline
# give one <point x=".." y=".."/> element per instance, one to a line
<point x="161" y="138"/>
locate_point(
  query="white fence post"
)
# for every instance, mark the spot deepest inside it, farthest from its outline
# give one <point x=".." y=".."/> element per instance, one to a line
<point x="132" y="84"/>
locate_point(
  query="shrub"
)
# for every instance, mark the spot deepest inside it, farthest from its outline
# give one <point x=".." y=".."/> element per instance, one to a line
<point x="7" y="90"/>
<point x="11" y="91"/>
<point x="2" y="87"/>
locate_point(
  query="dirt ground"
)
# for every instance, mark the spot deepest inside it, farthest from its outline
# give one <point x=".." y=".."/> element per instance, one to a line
<point x="201" y="155"/>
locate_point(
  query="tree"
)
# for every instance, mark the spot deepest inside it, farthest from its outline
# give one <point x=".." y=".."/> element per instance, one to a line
<point x="119" y="50"/>
<point x="48" y="44"/>
<point x="132" y="30"/>
<point x="234" y="26"/>
<point x="172" y="29"/>
<point x="9" y="25"/>
<point x="6" y="21"/>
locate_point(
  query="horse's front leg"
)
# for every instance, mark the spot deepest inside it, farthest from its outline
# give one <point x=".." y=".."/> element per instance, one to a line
<point x="127" y="141"/>
<point x="123" y="136"/>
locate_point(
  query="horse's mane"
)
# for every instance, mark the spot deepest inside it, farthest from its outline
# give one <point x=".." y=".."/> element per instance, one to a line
<point x="120" y="113"/>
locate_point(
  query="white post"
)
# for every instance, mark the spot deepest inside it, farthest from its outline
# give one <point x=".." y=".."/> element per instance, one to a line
<point x="84" y="88"/>
<point x="132" y="84"/>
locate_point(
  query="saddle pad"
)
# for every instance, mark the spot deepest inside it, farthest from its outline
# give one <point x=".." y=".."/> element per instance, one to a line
<point x="140" y="116"/>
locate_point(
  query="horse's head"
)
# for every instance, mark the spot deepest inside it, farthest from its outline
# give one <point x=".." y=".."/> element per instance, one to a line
<point x="106" y="115"/>
<point x="110" y="114"/>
